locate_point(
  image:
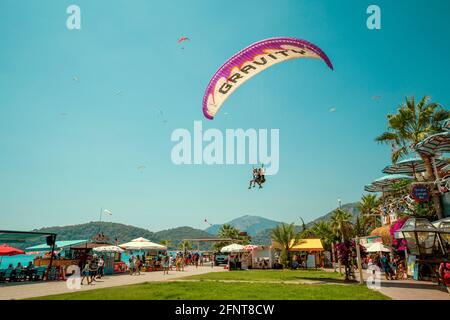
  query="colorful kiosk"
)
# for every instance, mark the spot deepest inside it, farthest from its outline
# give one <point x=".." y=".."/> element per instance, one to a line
<point x="308" y="253"/>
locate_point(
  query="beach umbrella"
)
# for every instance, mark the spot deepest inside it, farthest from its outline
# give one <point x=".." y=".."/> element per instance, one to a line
<point x="233" y="248"/>
<point x="376" y="247"/>
<point x="389" y="180"/>
<point x="6" y="250"/>
<point x="446" y="125"/>
<point x="410" y="166"/>
<point x="142" y="244"/>
<point x="250" y="247"/>
<point x="108" y="249"/>
<point x="435" y="144"/>
<point x="375" y="188"/>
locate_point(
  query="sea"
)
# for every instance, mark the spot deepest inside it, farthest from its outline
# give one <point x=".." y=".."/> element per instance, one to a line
<point x="24" y="259"/>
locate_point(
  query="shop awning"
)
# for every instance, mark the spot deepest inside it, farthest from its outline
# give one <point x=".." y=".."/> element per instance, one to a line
<point x="7" y="236"/>
<point x="58" y="245"/>
<point x="304" y="245"/>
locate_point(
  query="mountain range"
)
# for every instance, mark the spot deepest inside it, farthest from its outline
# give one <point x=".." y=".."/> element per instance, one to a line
<point x="257" y="227"/>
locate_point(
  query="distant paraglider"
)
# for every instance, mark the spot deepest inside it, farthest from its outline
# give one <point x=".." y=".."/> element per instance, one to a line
<point x="141" y="168"/>
<point x="161" y="116"/>
<point x="251" y="61"/>
<point x="183" y="39"/>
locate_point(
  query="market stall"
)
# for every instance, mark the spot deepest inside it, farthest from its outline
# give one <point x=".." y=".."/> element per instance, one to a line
<point x="262" y="257"/>
<point x="112" y="255"/>
<point x="308" y="253"/>
<point x="150" y="252"/>
<point x="62" y="255"/>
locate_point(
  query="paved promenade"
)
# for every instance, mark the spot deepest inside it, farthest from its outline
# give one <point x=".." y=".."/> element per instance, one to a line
<point x="410" y="289"/>
<point x="39" y="289"/>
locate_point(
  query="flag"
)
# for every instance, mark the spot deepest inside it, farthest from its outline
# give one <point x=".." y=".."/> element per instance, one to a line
<point x="107" y="212"/>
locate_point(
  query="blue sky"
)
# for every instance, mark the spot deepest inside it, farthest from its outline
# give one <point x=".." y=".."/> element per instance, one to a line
<point x="61" y="169"/>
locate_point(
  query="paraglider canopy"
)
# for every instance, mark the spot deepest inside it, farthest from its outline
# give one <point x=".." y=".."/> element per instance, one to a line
<point x="252" y="60"/>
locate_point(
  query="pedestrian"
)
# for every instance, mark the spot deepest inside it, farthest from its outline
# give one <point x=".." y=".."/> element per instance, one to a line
<point x="85" y="273"/>
<point x="101" y="266"/>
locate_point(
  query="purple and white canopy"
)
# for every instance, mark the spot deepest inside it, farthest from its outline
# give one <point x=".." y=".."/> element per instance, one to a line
<point x="249" y="62"/>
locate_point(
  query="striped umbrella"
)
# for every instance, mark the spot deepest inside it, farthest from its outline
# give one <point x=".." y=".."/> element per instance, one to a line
<point x="435" y="144"/>
<point x="386" y="182"/>
<point x="373" y="188"/>
<point x="447" y="125"/>
<point x="410" y="166"/>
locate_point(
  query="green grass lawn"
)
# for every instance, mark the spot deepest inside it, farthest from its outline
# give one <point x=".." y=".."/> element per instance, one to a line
<point x="225" y="291"/>
<point x="208" y="286"/>
<point x="271" y="275"/>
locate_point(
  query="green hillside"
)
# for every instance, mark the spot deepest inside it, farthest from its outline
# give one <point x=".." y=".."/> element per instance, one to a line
<point x="118" y="233"/>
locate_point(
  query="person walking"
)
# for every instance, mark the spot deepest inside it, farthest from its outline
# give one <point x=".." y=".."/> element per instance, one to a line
<point x="137" y="265"/>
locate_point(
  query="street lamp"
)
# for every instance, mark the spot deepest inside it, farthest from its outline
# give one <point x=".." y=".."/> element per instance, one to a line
<point x="340" y="203"/>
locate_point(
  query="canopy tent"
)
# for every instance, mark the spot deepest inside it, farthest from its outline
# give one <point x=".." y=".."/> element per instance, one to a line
<point x="435" y="144"/>
<point x="108" y="249"/>
<point x="376" y="247"/>
<point x="303" y="245"/>
<point x="7" y="236"/>
<point x="410" y="166"/>
<point x="234" y="247"/>
<point x="59" y="245"/>
<point x="142" y="244"/>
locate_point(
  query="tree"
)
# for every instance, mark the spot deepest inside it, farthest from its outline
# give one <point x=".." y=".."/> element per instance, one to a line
<point x="305" y="233"/>
<point x="323" y="230"/>
<point x="341" y="223"/>
<point x="287" y="237"/>
<point x="227" y="231"/>
<point x="362" y="226"/>
<point x="368" y="206"/>
<point x="166" y="243"/>
<point x="185" y="245"/>
<point x="412" y="123"/>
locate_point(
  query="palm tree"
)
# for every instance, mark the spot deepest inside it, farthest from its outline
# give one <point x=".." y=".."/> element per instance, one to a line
<point x="413" y="123"/>
<point x="362" y="226"/>
<point x="287" y="237"/>
<point x="323" y="230"/>
<point x="228" y="231"/>
<point x="166" y="243"/>
<point x="341" y="223"/>
<point x="368" y="206"/>
<point x="185" y="245"/>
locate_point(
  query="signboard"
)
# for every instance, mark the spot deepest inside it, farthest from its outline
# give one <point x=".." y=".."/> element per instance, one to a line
<point x="370" y="239"/>
<point x="421" y="193"/>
